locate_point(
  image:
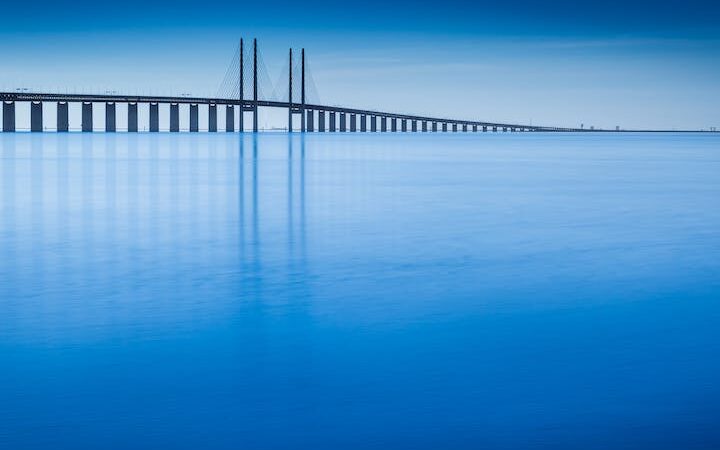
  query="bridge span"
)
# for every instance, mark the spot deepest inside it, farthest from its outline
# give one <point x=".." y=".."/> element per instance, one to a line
<point x="313" y="117"/>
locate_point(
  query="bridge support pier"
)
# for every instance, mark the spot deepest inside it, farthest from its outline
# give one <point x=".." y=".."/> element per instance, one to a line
<point x="403" y="125"/>
<point x="321" y="121"/>
<point x="230" y="119"/>
<point x="413" y="126"/>
<point x="87" y="117"/>
<point x="63" y="124"/>
<point x="132" y="117"/>
<point x="464" y="128"/>
<point x="154" y="125"/>
<point x="444" y="127"/>
<point x="424" y="126"/>
<point x="8" y="117"/>
<point x="383" y="124"/>
<point x="434" y="127"/>
<point x="310" y="121"/>
<point x="212" y="118"/>
<point x="110" y="117"/>
<point x="174" y="117"/>
<point x="36" y="117"/>
<point x="332" y="122"/>
<point x="454" y="127"/>
<point x="373" y="123"/>
<point x="474" y="128"/>
<point x="363" y="123"/>
<point x="353" y="123"/>
<point x="343" y="127"/>
<point x="193" y="117"/>
<point x="393" y="125"/>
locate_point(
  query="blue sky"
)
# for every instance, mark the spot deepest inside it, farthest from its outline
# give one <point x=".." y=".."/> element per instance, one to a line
<point x="632" y="63"/>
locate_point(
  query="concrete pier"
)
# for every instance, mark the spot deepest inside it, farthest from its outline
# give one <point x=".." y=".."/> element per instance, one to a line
<point x="310" y="121"/>
<point x="363" y="123"/>
<point x="353" y="123"/>
<point x="343" y="127"/>
<point x="373" y="123"/>
<point x="174" y="117"/>
<point x="434" y="127"/>
<point x="393" y="124"/>
<point x="321" y="121"/>
<point x="87" y="117"/>
<point x="444" y="127"/>
<point x="230" y="118"/>
<point x="194" y="117"/>
<point x="132" y="126"/>
<point x="424" y="126"/>
<point x="36" y="117"/>
<point x="331" y="126"/>
<point x="403" y="125"/>
<point x="383" y="124"/>
<point x="454" y="127"/>
<point x="110" y="124"/>
<point x="8" y="116"/>
<point x="63" y="123"/>
<point x="154" y="118"/>
<point x="212" y="118"/>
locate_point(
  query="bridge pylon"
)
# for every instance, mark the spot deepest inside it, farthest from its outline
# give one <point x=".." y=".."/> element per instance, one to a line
<point x="241" y="95"/>
<point x="302" y="90"/>
<point x="297" y="108"/>
<point x="255" y="87"/>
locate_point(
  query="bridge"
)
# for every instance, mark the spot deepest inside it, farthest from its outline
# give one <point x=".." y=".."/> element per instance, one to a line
<point x="313" y="117"/>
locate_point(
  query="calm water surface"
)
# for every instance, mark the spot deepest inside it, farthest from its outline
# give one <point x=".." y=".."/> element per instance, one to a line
<point x="359" y="291"/>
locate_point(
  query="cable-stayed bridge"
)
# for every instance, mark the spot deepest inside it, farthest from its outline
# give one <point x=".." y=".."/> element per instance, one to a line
<point x="243" y="90"/>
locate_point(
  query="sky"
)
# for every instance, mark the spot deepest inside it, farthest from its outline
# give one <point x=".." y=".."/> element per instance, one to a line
<point x="632" y="63"/>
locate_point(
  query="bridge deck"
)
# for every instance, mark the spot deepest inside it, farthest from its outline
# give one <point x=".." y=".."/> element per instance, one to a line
<point x="250" y="104"/>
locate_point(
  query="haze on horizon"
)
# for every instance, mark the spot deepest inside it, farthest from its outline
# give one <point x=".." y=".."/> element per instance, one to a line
<point x="636" y="64"/>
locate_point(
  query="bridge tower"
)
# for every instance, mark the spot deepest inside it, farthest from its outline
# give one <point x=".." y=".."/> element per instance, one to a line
<point x="290" y="103"/>
<point x="297" y="108"/>
<point x="302" y="91"/>
<point x="255" y="87"/>
<point x="242" y="87"/>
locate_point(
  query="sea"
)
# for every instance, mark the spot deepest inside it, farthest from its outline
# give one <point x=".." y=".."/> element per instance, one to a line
<point x="359" y="290"/>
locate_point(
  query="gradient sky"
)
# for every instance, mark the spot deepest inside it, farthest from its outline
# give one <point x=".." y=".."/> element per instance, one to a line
<point x="632" y="63"/>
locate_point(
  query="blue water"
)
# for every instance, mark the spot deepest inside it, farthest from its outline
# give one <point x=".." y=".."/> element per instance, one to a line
<point x="522" y="291"/>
